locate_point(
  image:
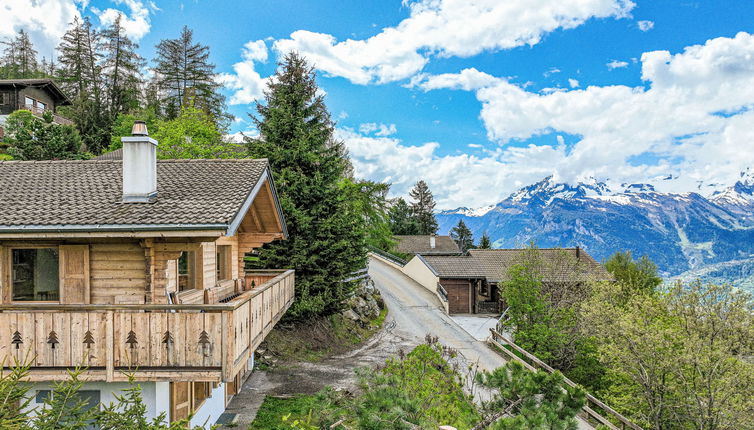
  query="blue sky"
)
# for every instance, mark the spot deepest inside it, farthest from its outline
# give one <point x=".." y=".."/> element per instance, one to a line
<point x="480" y="99"/>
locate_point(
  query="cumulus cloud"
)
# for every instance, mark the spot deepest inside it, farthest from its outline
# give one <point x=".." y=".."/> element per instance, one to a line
<point x="468" y="79"/>
<point x="573" y="83"/>
<point x="692" y="121"/>
<point x="615" y="64"/>
<point x="247" y="83"/>
<point x="445" y="28"/>
<point x="46" y="20"/>
<point x="136" y="23"/>
<point x="378" y="129"/>
<point x="645" y="25"/>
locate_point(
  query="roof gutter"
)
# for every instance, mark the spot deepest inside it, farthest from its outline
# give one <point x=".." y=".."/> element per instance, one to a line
<point x="82" y="228"/>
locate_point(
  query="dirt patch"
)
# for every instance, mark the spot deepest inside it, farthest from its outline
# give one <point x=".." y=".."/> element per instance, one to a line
<point x="336" y="371"/>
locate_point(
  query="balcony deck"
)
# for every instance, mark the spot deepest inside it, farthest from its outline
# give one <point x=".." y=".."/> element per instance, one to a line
<point x="201" y="342"/>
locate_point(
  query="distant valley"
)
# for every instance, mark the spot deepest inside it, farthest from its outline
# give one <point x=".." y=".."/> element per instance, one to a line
<point x="687" y="235"/>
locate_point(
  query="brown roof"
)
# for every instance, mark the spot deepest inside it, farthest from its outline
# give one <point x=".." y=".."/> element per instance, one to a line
<point x="558" y="264"/>
<point x="86" y="195"/>
<point x="112" y="155"/>
<point x="420" y="244"/>
<point x="49" y="84"/>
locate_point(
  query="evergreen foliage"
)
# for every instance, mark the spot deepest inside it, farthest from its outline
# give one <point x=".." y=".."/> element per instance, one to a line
<point x="369" y="199"/>
<point x="326" y="241"/>
<point x="639" y="276"/>
<point x="121" y="69"/>
<point x="485" y="242"/>
<point x="28" y="137"/>
<point x="462" y="236"/>
<point x="183" y="72"/>
<point x="423" y="208"/>
<point x="19" y="58"/>
<point x="402" y="221"/>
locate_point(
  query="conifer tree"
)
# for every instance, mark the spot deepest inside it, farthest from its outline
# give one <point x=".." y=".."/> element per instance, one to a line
<point x="183" y="71"/>
<point x="19" y="59"/>
<point x="122" y="69"/>
<point x="402" y="221"/>
<point x="485" y="242"/>
<point x="423" y="208"/>
<point x="462" y="236"/>
<point x="80" y="73"/>
<point x="326" y="240"/>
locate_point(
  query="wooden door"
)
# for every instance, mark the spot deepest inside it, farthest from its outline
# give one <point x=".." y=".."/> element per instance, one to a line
<point x="180" y="400"/>
<point x="459" y="297"/>
<point x="74" y="274"/>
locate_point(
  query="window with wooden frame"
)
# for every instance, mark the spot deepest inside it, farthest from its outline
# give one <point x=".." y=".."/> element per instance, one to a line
<point x="224" y="262"/>
<point x="5" y="98"/>
<point x="187" y="271"/>
<point x="35" y="274"/>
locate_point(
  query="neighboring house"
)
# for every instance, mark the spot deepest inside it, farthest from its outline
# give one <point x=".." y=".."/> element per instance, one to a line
<point x="36" y="95"/>
<point x="426" y="245"/>
<point x="469" y="284"/>
<point x="138" y="266"/>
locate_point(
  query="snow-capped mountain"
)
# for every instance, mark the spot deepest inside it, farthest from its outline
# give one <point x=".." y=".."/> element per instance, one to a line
<point x="679" y="232"/>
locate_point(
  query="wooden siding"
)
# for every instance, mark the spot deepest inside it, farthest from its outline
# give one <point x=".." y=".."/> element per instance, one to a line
<point x="459" y="299"/>
<point x="117" y="270"/>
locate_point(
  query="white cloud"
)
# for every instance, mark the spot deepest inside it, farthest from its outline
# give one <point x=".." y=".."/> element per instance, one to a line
<point x="468" y="79"/>
<point x="45" y="20"/>
<point x="550" y="72"/>
<point x="645" y="25"/>
<point x="381" y="130"/>
<point x="692" y="121"/>
<point x="615" y="64"/>
<point x="136" y="23"/>
<point x="573" y="83"/>
<point x="445" y="28"/>
<point x="247" y="83"/>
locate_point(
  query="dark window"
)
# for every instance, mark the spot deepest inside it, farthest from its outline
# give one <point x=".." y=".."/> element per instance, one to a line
<point x="187" y="271"/>
<point x="35" y="275"/>
<point x="5" y="99"/>
<point x="224" y="261"/>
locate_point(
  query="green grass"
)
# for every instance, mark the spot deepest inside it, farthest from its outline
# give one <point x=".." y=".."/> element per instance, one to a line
<point x="272" y="411"/>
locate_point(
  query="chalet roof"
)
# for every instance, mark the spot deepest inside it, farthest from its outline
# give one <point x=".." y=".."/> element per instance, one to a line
<point x="87" y="195"/>
<point x="60" y="97"/>
<point x="453" y="266"/>
<point x="558" y="264"/>
<point x="420" y="244"/>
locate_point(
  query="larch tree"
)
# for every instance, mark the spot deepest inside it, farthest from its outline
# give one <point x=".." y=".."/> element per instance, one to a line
<point x="121" y="69"/>
<point x="182" y="72"/>
<point x="19" y="60"/>
<point x="423" y="208"/>
<point x="462" y="236"/>
<point x="402" y="221"/>
<point x="326" y="232"/>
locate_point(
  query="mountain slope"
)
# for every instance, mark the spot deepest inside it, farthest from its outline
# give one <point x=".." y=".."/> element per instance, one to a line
<point x="679" y="232"/>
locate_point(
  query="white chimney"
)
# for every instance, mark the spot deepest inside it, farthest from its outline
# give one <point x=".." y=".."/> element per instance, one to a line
<point x="139" y="165"/>
<point x="432" y="242"/>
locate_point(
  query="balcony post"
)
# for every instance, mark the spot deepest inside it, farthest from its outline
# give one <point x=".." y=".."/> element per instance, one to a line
<point x="109" y="347"/>
<point x="228" y="345"/>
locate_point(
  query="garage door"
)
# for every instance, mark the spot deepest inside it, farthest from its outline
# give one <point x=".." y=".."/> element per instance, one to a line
<point x="458" y="295"/>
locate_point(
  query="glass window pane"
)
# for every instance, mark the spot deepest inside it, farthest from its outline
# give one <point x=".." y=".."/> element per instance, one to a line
<point x="35" y="275"/>
<point x="41" y="105"/>
<point x="29" y="101"/>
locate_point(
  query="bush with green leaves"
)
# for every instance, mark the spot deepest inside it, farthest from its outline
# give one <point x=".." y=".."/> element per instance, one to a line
<point x="28" y="137"/>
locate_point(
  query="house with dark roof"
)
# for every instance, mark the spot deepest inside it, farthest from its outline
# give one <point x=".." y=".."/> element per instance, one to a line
<point x="137" y="265"/>
<point x="469" y="284"/>
<point x="35" y="95"/>
<point x="426" y="245"/>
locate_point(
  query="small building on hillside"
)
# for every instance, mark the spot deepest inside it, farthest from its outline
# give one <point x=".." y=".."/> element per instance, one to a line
<point x="137" y="266"/>
<point x="426" y="245"/>
<point x="35" y="95"/>
<point x="468" y="284"/>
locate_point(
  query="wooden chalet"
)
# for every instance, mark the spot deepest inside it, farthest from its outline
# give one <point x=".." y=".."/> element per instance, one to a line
<point x="137" y="266"/>
<point x="469" y="284"/>
<point x="426" y="245"/>
<point x="35" y="95"/>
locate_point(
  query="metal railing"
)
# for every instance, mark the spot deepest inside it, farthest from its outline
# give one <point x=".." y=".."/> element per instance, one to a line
<point x="441" y="291"/>
<point x="388" y="256"/>
<point x="533" y="363"/>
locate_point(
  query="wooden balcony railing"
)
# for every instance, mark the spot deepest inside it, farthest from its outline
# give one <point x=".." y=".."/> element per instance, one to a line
<point x="209" y="342"/>
<point x="37" y="111"/>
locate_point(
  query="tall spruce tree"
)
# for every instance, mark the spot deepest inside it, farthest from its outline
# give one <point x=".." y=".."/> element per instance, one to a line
<point x="80" y="73"/>
<point x="402" y="220"/>
<point x="462" y="236"/>
<point x="326" y="232"/>
<point x="182" y="72"/>
<point x="19" y="60"/>
<point x="122" y="69"/>
<point x="423" y="208"/>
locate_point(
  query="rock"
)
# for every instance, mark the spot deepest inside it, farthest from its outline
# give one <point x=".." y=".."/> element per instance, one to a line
<point x="350" y="314"/>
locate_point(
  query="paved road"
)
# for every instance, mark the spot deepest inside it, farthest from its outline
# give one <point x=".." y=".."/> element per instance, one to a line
<point x="417" y="312"/>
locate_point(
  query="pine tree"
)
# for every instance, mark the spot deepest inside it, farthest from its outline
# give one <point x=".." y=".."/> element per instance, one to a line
<point x="122" y="69"/>
<point x="80" y="73"/>
<point x="183" y="71"/>
<point x="485" y="242"/>
<point x="402" y="221"/>
<point x="19" y="59"/>
<point x="462" y="235"/>
<point x="326" y="241"/>
<point x="423" y="208"/>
